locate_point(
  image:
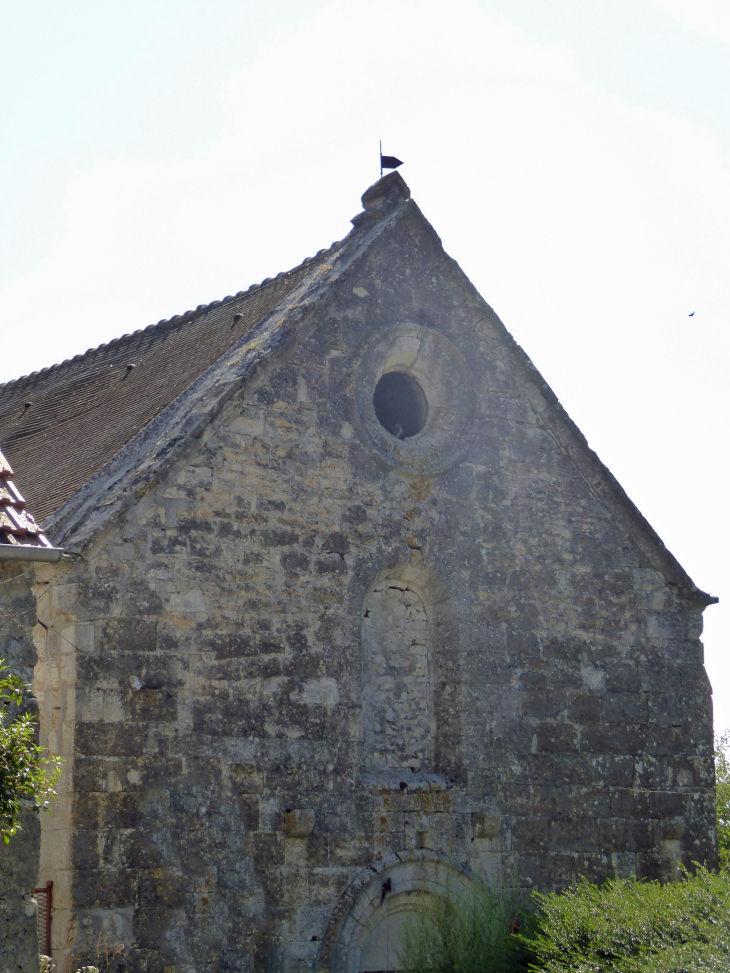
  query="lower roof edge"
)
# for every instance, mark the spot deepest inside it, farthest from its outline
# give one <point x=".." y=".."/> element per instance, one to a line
<point x="27" y="553"/>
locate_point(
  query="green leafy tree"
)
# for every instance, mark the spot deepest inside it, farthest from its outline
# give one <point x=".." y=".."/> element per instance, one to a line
<point x="28" y="776"/>
<point x="722" y="778"/>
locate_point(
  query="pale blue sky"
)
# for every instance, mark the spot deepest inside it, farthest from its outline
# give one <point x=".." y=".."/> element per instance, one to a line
<point x="635" y="50"/>
<point x="573" y="155"/>
<point x="95" y="78"/>
<point x="90" y="79"/>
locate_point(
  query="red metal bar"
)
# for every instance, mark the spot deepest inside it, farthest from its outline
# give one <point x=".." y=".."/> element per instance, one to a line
<point x="49" y="909"/>
<point x="45" y="934"/>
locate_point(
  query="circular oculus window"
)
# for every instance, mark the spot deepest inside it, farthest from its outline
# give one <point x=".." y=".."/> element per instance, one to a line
<point x="400" y="404"/>
<point x="414" y="400"/>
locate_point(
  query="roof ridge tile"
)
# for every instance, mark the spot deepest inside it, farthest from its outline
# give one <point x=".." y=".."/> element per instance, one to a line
<point x="200" y="310"/>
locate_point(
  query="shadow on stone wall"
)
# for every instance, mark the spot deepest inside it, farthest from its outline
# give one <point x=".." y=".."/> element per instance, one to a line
<point x="19" y="860"/>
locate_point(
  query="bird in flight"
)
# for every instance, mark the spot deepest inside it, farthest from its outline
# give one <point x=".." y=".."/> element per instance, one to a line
<point x="691" y="315"/>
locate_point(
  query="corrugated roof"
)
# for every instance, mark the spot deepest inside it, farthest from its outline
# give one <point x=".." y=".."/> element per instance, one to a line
<point x="62" y="424"/>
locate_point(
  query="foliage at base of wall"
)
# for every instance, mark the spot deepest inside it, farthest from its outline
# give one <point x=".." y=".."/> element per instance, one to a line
<point x="620" y="926"/>
<point x="48" y="966"/>
<point x="106" y="960"/>
<point x="627" y="926"/>
<point x="722" y="779"/>
<point x="477" y="933"/>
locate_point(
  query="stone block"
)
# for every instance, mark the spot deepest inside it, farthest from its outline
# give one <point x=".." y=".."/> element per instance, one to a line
<point x="485" y="825"/>
<point x="298" y="822"/>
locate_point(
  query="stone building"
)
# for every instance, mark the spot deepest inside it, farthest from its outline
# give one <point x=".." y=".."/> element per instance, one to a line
<point x="22" y="544"/>
<point x="351" y="614"/>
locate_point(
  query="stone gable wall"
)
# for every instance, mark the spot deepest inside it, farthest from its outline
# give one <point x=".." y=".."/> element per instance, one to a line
<point x="234" y="770"/>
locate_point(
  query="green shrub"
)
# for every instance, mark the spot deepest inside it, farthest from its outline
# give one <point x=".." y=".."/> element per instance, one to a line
<point x="627" y="926"/>
<point x="722" y="778"/>
<point x="27" y="774"/>
<point x="475" y="932"/>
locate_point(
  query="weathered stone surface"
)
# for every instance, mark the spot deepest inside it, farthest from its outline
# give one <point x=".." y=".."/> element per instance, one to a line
<point x="463" y="647"/>
<point x="19" y="858"/>
<point x="298" y="823"/>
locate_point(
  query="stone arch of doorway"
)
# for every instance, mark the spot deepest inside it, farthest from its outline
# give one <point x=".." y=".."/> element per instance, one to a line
<point x="362" y="935"/>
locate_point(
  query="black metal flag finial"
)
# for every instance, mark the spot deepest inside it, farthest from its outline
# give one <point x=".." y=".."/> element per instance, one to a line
<point x="388" y="161"/>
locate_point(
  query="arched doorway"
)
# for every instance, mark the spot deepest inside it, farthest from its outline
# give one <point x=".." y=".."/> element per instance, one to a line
<point x="382" y="950"/>
<point x="369" y="938"/>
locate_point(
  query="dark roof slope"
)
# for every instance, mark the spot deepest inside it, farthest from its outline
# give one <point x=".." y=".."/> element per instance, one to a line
<point x="62" y="424"/>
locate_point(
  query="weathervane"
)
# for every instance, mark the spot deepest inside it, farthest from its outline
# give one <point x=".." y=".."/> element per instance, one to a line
<point x="388" y="161"/>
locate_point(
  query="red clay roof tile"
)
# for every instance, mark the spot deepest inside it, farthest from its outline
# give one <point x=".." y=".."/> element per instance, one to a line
<point x="17" y="527"/>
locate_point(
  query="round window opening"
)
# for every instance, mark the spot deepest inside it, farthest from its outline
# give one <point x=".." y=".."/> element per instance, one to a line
<point x="400" y="405"/>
